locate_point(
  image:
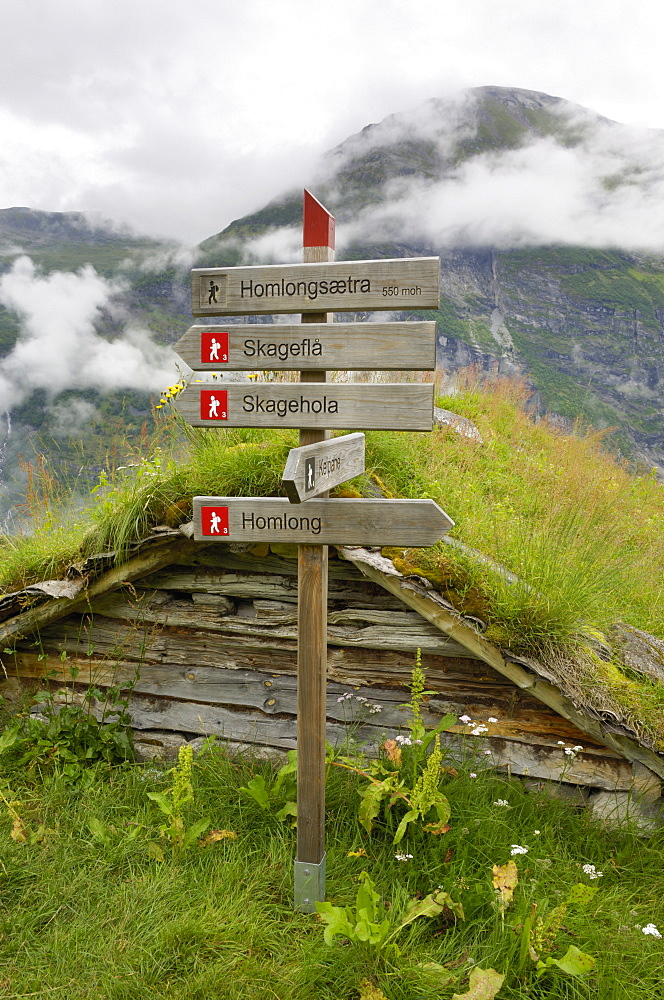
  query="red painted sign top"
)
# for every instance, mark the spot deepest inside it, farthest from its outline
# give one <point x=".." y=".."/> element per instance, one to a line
<point x="318" y="228"/>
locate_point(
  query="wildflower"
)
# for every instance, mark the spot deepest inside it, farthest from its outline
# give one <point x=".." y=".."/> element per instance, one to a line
<point x="501" y="802"/>
<point x="478" y="730"/>
<point x="345" y="696"/>
<point x="472" y="775"/>
<point x="536" y="832"/>
<point x="491" y="719"/>
<point x="516" y="849"/>
<point x="652" y="930"/>
<point x="403" y="857"/>
<point x="404" y="741"/>
<point x="561" y="743"/>
<point x="486" y="751"/>
<point x="360" y="700"/>
<point x="591" y="871"/>
<point x="465" y="719"/>
<point x="373" y="709"/>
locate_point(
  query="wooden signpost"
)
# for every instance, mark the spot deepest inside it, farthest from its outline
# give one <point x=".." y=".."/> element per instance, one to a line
<point x="281" y="347"/>
<point x="405" y="407"/>
<point x="348" y="286"/>
<point x="319" y="522"/>
<point x="308" y="517"/>
<point x="316" y="468"/>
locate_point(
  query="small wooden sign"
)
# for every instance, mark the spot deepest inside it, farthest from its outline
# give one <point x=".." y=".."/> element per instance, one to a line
<point x="350" y="286"/>
<point x="376" y="406"/>
<point x="317" y="346"/>
<point x="319" y="522"/>
<point x="315" y="468"/>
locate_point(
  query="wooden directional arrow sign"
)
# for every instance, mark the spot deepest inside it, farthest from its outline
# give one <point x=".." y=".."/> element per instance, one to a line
<point x="358" y="285"/>
<point x="319" y="522"/>
<point x="315" y="468"/>
<point x="377" y="406"/>
<point x="319" y="346"/>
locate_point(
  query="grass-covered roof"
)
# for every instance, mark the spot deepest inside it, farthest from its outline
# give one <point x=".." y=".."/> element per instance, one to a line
<point x="557" y="548"/>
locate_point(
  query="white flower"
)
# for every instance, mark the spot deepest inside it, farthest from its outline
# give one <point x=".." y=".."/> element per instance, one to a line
<point x="375" y="708"/>
<point x="486" y="751"/>
<point x="577" y="748"/>
<point x="403" y="857"/>
<point x="501" y="802"/>
<point x="491" y="719"/>
<point x="652" y="930"/>
<point x="404" y="741"/>
<point x="472" y="775"/>
<point x="465" y="718"/>
<point x="536" y="832"/>
<point x="479" y="730"/>
<point x="561" y="743"/>
<point x="345" y="696"/>
<point x="591" y="871"/>
<point x="518" y="850"/>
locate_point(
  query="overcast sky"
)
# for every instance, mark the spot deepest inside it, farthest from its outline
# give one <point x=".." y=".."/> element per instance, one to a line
<point x="178" y="117"/>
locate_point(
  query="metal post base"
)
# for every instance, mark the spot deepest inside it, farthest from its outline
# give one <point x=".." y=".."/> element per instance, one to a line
<point x="309" y="885"/>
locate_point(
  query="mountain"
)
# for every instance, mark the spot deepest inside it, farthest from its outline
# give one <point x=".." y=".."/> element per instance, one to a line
<point x="570" y="300"/>
<point x="547" y="218"/>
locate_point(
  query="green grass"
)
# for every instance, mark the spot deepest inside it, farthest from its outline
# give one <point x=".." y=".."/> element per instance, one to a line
<point x="81" y="918"/>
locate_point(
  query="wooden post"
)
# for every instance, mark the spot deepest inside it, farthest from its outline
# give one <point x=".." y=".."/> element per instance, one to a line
<point x="318" y="246"/>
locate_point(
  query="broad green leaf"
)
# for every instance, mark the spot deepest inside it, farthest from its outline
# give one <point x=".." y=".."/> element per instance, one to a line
<point x="371" y="796"/>
<point x="8" y="739"/>
<point x="445" y="723"/>
<point x="257" y="789"/>
<point x="580" y="894"/>
<point x="573" y="962"/>
<point x="431" y="906"/>
<point x="290" y="809"/>
<point x="195" y="831"/>
<point x="163" y="801"/>
<point x="484" y="984"/>
<point x="99" y="830"/>
<point x="411" y="815"/>
<point x="434" y="970"/>
<point x="337" y="919"/>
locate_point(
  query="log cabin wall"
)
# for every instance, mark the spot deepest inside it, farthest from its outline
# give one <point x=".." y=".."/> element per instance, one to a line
<point x="209" y="644"/>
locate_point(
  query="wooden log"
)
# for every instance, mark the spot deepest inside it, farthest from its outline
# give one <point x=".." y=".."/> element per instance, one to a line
<point x="274" y="586"/>
<point x="376" y="630"/>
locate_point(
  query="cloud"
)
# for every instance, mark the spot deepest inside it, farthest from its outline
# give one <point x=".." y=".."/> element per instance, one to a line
<point x="605" y="191"/>
<point x="59" y="348"/>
